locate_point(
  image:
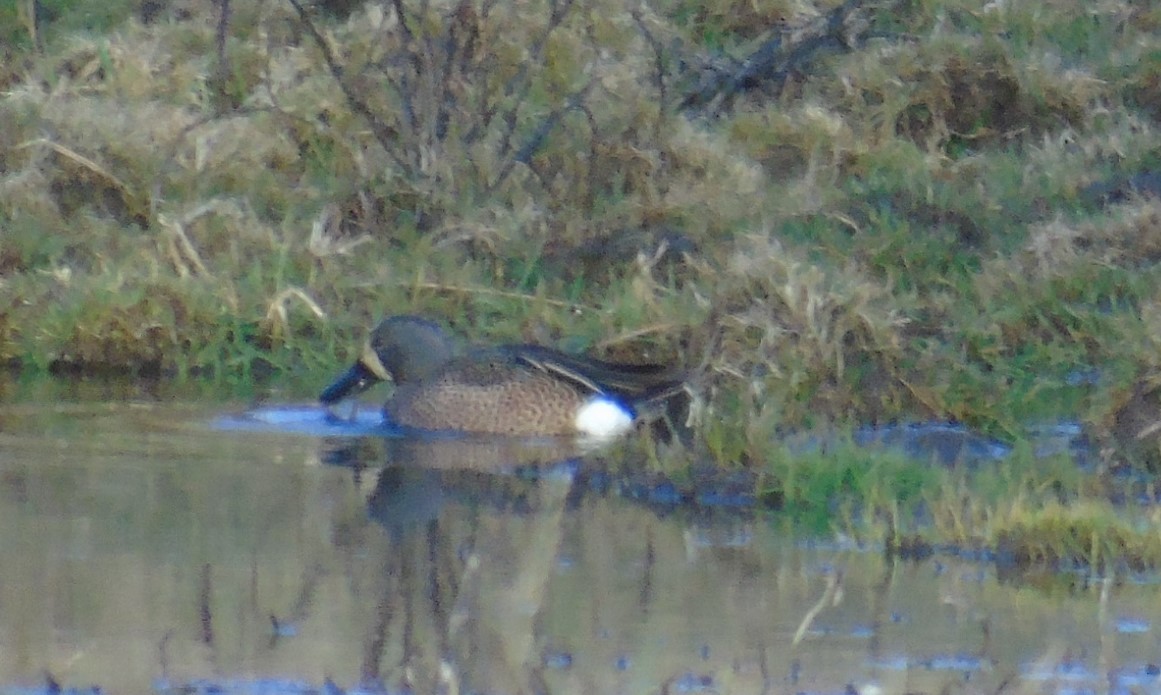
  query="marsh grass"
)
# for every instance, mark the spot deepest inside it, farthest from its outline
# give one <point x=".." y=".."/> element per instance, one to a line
<point x="946" y="215"/>
<point x="850" y="491"/>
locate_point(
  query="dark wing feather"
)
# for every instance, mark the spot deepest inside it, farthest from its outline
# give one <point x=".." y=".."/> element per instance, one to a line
<point x="635" y="382"/>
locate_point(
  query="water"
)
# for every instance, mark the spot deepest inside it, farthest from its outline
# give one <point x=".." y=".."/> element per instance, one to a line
<point x="160" y="546"/>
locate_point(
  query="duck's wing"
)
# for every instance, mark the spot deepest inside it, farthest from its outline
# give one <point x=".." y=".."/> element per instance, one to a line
<point x="637" y="382"/>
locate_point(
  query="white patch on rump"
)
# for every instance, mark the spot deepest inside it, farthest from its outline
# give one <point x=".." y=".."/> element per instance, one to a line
<point x="604" y="418"/>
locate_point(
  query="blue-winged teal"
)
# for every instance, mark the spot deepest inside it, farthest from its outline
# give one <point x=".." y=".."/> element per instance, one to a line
<point x="522" y="390"/>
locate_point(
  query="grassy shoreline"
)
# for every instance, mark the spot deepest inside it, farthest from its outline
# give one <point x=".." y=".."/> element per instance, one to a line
<point x="915" y="212"/>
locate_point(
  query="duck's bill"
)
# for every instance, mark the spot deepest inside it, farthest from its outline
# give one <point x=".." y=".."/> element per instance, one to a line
<point x="354" y="381"/>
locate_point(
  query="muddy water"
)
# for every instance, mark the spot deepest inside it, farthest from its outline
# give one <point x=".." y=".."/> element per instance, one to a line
<point x="150" y="546"/>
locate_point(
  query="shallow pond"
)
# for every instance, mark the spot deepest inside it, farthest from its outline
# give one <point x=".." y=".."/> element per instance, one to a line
<point x="151" y="545"/>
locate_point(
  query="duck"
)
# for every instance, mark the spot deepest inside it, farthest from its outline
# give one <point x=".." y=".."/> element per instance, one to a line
<point x="522" y="390"/>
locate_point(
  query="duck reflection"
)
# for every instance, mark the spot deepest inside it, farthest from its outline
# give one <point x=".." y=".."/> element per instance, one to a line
<point x="472" y="532"/>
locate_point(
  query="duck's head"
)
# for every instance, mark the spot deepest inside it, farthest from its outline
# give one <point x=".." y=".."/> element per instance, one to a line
<point x="402" y="349"/>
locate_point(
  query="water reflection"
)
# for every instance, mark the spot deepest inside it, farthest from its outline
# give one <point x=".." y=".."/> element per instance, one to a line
<point x="144" y="549"/>
<point x="466" y="560"/>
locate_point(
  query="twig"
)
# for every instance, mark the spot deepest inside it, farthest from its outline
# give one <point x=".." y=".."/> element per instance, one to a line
<point x="664" y="327"/>
<point x="79" y="159"/>
<point x="507" y="294"/>
<point x="222" y="32"/>
<point x="831" y="596"/>
<point x="383" y="133"/>
<point x="771" y="62"/>
<point x="534" y="141"/>
<point x="659" y="65"/>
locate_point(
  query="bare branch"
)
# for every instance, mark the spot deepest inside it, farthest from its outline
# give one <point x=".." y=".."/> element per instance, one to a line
<point x="772" y="62"/>
<point x="383" y="133"/>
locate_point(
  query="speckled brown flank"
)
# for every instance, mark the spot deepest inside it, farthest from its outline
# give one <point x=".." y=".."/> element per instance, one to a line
<point x="518" y="401"/>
